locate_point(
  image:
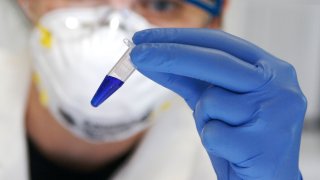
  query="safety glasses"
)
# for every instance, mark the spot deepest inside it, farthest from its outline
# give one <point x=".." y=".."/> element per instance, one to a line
<point x="178" y="13"/>
<point x="161" y="13"/>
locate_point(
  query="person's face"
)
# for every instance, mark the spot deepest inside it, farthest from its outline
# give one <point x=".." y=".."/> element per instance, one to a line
<point x="162" y="13"/>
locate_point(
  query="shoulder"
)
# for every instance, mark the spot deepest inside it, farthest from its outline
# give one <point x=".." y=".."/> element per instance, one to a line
<point x="171" y="148"/>
<point x="14" y="83"/>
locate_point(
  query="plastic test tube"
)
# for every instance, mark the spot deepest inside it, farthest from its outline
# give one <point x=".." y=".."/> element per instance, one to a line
<point x="116" y="77"/>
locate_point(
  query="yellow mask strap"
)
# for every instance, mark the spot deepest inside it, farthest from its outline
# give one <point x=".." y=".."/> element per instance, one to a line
<point x="45" y="36"/>
<point x="43" y="95"/>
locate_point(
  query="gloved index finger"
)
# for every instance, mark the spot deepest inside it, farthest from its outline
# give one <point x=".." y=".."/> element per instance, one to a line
<point x="212" y="66"/>
<point x="208" y="38"/>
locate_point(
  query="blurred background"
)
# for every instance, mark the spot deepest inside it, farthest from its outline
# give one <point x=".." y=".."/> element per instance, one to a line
<point x="289" y="29"/>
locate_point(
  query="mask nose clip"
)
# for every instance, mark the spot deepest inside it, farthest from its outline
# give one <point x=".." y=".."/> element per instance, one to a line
<point x="114" y="19"/>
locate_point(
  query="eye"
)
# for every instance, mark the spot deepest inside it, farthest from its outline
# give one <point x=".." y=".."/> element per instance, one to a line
<point x="163" y="5"/>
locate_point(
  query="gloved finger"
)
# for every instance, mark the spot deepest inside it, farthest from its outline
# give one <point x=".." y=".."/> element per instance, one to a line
<point x="189" y="89"/>
<point x="231" y="108"/>
<point x="235" y="144"/>
<point x="208" y="65"/>
<point x="208" y="38"/>
<point x="221" y="167"/>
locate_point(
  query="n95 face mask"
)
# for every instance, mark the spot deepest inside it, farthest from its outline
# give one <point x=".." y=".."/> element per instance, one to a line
<point x="73" y="49"/>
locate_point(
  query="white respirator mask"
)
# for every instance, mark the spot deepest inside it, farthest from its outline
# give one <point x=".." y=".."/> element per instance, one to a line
<point x="73" y="49"/>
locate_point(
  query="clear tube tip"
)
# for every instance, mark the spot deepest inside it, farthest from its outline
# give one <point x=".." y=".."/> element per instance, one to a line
<point x="115" y="78"/>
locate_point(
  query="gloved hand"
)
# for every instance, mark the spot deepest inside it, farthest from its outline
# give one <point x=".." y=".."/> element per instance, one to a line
<point x="247" y="104"/>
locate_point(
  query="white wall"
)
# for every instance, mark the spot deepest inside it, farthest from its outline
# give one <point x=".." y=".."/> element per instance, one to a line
<point x="289" y="29"/>
<point x="14" y="28"/>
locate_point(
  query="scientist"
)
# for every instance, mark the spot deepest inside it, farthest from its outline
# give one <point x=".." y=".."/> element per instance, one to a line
<point x="247" y="106"/>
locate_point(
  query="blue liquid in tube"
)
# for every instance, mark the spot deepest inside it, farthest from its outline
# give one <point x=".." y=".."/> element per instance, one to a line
<point x="109" y="86"/>
<point x="115" y="78"/>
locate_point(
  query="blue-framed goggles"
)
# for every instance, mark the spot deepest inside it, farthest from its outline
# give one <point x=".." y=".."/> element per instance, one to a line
<point x="214" y="7"/>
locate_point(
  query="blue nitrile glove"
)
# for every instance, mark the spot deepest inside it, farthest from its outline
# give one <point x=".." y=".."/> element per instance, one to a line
<point x="248" y="106"/>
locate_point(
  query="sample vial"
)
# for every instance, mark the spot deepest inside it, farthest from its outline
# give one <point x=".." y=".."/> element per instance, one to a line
<point x="116" y="77"/>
